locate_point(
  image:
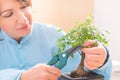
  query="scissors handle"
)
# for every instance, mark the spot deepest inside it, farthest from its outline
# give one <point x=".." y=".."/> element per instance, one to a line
<point x="53" y="60"/>
<point x="59" y="60"/>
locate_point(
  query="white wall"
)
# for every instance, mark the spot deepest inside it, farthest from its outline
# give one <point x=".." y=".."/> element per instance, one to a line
<point x="107" y="14"/>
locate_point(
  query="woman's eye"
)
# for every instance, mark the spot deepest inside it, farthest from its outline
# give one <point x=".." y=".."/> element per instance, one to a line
<point x="24" y="6"/>
<point x="7" y="14"/>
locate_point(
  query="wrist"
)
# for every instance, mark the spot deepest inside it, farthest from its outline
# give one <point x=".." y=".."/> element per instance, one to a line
<point x="23" y="76"/>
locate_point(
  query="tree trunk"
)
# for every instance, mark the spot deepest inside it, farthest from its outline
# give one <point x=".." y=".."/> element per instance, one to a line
<point x="79" y="72"/>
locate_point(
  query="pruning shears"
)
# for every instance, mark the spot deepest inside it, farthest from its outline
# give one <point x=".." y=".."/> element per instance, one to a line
<point x="60" y="60"/>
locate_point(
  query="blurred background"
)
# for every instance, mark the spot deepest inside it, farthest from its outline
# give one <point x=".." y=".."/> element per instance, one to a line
<point x="64" y="14"/>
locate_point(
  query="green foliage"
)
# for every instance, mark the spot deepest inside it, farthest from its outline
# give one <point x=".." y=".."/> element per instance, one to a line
<point x="81" y="33"/>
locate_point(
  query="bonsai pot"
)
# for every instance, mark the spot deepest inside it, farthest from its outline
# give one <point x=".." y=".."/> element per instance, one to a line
<point x="90" y="76"/>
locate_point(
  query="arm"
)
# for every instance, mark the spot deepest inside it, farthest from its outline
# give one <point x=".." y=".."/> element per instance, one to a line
<point x="38" y="72"/>
<point x="98" y="59"/>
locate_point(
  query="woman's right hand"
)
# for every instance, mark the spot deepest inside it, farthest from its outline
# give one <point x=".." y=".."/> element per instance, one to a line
<point x="41" y="72"/>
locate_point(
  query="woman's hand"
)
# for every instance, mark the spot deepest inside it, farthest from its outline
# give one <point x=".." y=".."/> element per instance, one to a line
<point x="95" y="56"/>
<point x="41" y="72"/>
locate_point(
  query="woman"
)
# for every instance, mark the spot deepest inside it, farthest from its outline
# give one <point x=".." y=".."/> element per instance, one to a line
<point x="25" y="47"/>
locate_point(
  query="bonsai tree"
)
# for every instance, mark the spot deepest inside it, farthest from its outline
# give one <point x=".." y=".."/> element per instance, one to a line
<point x="77" y="36"/>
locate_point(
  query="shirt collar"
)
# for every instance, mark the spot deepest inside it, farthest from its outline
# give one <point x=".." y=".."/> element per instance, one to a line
<point x="10" y="39"/>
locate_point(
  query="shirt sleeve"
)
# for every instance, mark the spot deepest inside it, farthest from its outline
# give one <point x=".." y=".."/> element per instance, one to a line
<point x="10" y="74"/>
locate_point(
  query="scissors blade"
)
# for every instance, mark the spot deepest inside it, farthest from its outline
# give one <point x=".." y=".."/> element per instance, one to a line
<point x="72" y="50"/>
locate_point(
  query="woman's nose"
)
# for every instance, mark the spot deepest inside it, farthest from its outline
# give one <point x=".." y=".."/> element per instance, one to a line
<point x="21" y="18"/>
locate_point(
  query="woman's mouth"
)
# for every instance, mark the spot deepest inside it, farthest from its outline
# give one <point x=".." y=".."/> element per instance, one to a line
<point x="23" y="27"/>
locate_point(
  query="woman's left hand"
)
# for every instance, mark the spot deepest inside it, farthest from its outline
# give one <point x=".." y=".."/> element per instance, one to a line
<point x="95" y="56"/>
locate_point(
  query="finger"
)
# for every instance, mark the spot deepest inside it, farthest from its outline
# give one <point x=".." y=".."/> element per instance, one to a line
<point x="54" y="70"/>
<point x="93" y="50"/>
<point x="95" y="59"/>
<point x="49" y="76"/>
<point x="52" y="77"/>
<point x="92" y="57"/>
<point x="88" y="66"/>
<point x="89" y="43"/>
<point x="92" y="63"/>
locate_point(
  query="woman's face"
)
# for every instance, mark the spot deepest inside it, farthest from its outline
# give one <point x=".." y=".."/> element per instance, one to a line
<point x="15" y="18"/>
